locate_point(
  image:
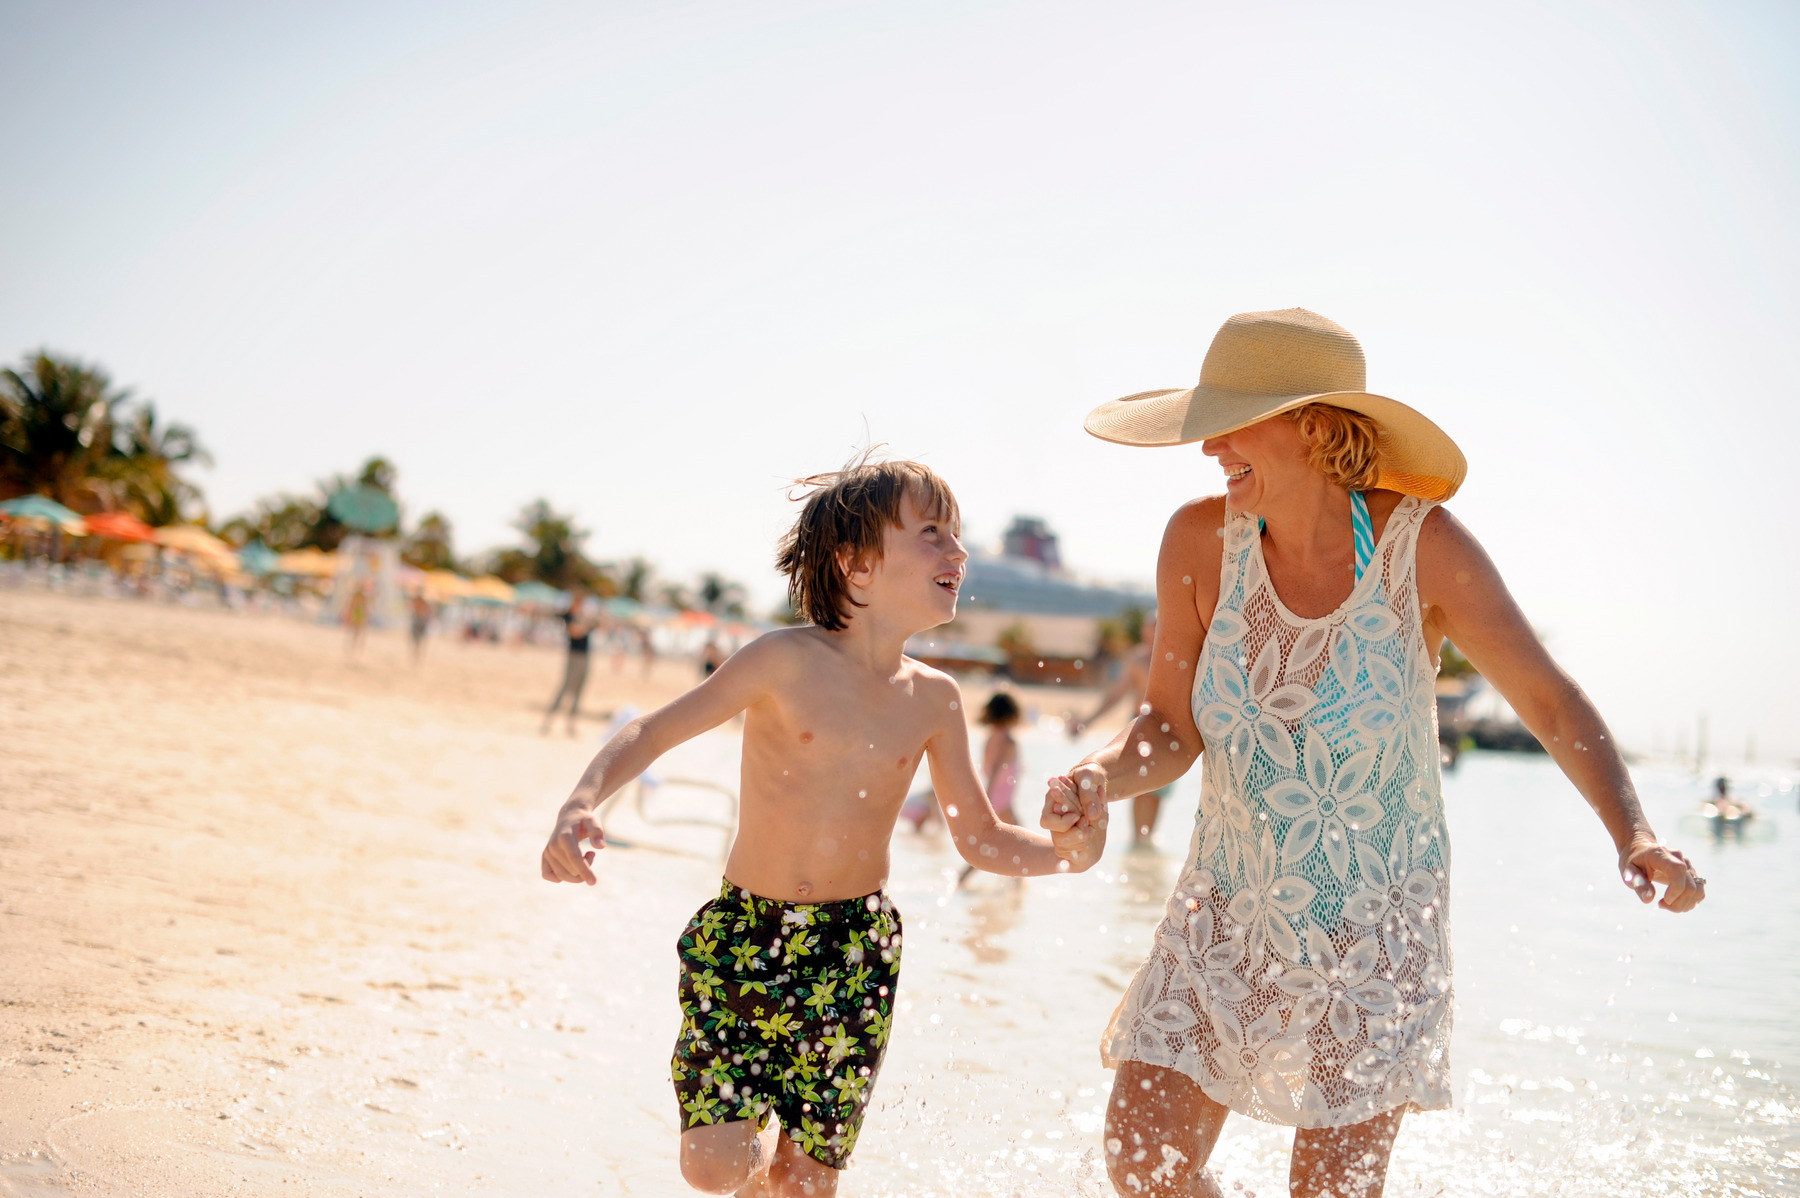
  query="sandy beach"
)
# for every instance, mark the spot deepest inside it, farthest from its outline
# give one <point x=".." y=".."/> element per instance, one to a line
<point x="270" y="913"/>
<point x="272" y="920"/>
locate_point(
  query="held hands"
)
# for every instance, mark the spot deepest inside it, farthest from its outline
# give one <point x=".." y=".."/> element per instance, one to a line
<point x="564" y="860"/>
<point x="1643" y="864"/>
<point x="1075" y="815"/>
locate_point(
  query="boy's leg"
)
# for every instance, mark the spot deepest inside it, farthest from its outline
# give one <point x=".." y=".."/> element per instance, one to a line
<point x="726" y="1158"/>
<point x="793" y="1174"/>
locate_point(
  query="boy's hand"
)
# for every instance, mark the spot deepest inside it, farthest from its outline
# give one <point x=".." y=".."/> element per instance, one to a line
<point x="1083" y="839"/>
<point x="564" y="860"/>
<point x="1062" y="809"/>
<point x="1078" y="795"/>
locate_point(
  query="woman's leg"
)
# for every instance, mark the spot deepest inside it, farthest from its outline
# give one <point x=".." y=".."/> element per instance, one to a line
<point x="1160" y="1129"/>
<point x="1343" y="1162"/>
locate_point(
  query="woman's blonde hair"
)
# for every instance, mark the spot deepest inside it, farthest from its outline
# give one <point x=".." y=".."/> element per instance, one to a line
<point x="1340" y="444"/>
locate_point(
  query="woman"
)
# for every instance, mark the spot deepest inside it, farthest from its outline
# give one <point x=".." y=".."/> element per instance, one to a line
<point x="1302" y="972"/>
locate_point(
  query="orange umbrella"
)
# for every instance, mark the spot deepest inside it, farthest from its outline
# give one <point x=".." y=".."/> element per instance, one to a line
<point x="119" y="526"/>
<point x="194" y="540"/>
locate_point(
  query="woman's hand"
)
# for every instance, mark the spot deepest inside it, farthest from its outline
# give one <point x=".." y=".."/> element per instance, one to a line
<point x="1643" y="865"/>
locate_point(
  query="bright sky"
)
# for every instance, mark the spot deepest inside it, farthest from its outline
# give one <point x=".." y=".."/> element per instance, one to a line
<point x="649" y="260"/>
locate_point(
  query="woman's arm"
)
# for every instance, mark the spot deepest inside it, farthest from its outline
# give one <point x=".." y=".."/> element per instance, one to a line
<point x="1161" y="743"/>
<point x="1462" y="597"/>
<point x="728" y="690"/>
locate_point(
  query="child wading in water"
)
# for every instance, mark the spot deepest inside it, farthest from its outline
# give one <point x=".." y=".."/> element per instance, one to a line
<point x="999" y="761"/>
<point x="787" y="978"/>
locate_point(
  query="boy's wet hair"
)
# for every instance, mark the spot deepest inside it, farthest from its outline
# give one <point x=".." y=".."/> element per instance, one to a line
<point x="1001" y="708"/>
<point x="842" y="526"/>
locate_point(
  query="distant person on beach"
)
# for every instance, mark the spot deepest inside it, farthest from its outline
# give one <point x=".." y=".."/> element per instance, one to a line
<point x="356" y="614"/>
<point x="1133" y="683"/>
<point x="1301" y="974"/>
<point x="711" y="657"/>
<point x="648" y="648"/>
<point x="999" y="760"/>
<point x="579" y="625"/>
<point x="419" y="611"/>
<point x="787" y="978"/>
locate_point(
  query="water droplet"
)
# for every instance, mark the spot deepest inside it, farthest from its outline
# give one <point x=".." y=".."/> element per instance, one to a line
<point x="1143" y="709"/>
<point x="1143" y="748"/>
<point x="1168" y="657"/>
<point x="953" y="705"/>
<point x="862" y="794"/>
<point x="1144" y="770"/>
<point x="1187" y="580"/>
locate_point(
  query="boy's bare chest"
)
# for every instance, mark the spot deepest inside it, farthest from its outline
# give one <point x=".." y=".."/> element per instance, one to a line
<point x="856" y="725"/>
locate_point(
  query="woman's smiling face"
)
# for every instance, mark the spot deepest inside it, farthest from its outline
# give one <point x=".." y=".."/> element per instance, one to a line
<point x="1259" y="461"/>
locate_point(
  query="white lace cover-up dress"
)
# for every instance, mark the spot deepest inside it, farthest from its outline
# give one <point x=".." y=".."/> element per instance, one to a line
<point x="1301" y="974"/>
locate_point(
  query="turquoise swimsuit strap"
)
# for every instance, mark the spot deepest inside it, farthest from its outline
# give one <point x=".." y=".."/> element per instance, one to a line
<point x="1362" y="532"/>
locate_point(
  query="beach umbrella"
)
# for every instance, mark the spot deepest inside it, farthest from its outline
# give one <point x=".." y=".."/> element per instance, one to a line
<point x="192" y="539"/>
<point x="119" y="526"/>
<point x="442" y="586"/>
<point x="41" y="507"/>
<point x="257" y="558"/>
<point x="364" y="508"/>
<point x="309" y="563"/>
<point x="624" y="608"/>
<point x="489" y="589"/>
<point x="539" y="594"/>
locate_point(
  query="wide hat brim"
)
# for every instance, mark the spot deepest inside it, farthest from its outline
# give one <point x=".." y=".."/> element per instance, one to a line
<point x="1414" y="456"/>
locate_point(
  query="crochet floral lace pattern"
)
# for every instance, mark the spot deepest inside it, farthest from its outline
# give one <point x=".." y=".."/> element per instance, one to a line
<point x="1301" y="974"/>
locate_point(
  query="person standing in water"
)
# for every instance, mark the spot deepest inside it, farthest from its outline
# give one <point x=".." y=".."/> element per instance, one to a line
<point x="1133" y="683"/>
<point x="999" y="761"/>
<point x="787" y="978"/>
<point x="579" y="625"/>
<point x="1302" y="973"/>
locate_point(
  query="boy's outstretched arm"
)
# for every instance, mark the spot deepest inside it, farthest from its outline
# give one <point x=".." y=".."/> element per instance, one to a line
<point x="982" y="839"/>
<point x="735" y="685"/>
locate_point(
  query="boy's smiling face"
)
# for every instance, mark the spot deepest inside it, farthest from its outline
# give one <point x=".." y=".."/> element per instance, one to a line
<point x="920" y="570"/>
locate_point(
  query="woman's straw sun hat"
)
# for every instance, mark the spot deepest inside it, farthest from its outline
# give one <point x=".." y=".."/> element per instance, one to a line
<point x="1261" y="363"/>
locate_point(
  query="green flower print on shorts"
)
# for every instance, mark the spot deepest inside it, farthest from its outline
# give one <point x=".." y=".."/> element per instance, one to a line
<point x="786" y="1009"/>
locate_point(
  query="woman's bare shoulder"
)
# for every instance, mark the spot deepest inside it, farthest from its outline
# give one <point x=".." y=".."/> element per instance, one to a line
<point x="1208" y="511"/>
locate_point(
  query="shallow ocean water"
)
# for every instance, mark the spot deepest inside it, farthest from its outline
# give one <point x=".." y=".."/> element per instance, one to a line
<point x="1601" y="1047"/>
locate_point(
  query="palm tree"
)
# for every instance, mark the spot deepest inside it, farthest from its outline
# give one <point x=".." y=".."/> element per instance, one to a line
<point x="552" y="553"/>
<point x="721" y="596"/>
<point x="429" y="546"/>
<point x="56" y="428"/>
<point x="282" y="522"/>
<point x="143" y="467"/>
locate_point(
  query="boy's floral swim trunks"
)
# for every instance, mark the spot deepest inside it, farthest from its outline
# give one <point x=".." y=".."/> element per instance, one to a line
<point x="786" y="1008"/>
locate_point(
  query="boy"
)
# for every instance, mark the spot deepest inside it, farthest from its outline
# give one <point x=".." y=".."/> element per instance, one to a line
<point x="787" y="979"/>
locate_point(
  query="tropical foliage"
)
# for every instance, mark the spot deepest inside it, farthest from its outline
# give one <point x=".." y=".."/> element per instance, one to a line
<point x="67" y="432"/>
<point x="429" y="546"/>
<point x="551" y="553"/>
<point x="288" y="522"/>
